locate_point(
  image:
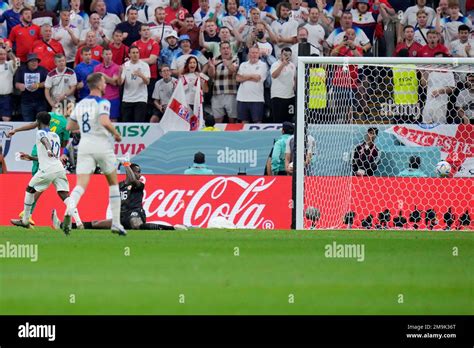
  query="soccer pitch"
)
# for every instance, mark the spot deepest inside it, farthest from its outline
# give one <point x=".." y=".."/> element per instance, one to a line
<point x="206" y="271"/>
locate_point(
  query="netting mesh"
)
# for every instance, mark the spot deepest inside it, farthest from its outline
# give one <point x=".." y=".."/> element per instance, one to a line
<point x="376" y="137"/>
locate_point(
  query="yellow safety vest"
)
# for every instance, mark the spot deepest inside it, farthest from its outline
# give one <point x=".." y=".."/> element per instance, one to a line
<point x="405" y="85"/>
<point x="317" y="88"/>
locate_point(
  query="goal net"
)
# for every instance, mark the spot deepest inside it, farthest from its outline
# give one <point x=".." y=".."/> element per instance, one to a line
<point x="384" y="143"/>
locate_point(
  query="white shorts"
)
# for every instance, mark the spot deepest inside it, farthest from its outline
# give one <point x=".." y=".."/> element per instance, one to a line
<point x="224" y="103"/>
<point x="41" y="181"/>
<point x="86" y="163"/>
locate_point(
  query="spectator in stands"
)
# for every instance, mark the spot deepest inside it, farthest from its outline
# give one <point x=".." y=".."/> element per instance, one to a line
<point x="145" y="12"/>
<point x="68" y="35"/>
<point x="408" y="43"/>
<point x="199" y="166"/>
<point x="203" y="13"/>
<point x="364" y="19"/>
<point x="12" y="16"/>
<point x="108" y="20"/>
<point x="60" y="83"/>
<point x="267" y="13"/>
<point x="42" y="15"/>
<point x="413" y="169"/>
<point x="111" y="72"/>
<point x="24" y="34"/>
<point x="159" y="29"/>
<point x="440" y="85"/>
<point x="189" y="77"/>
<point x="283" y="87"/>
<point x="30" y="81"/>
<point x="250" y="98"/>
<point x="191" y="30"/>
<point x="285" y="28"/>
<point x="465" y="101"/>
<point x="433" y="46"/>
<point x="449" y="26"/>
<point x="463" y="46"/>
<point x="47" y="48"/>
<point x="131" y="27"/>
<point x="94" y="26"/>
<point x="210" y="31"/>
<point x="162" y="92"/>
<point x="443" y="8"/>
<point x="366" y="155"/>
<point x="119" y="50"/>
<point x="248" y="27"/>
<point x="422" y="28"/>
<point x="135" y="78"/>
<point x="298" y="12"/>
<point x="149" y="52"/>
<point x="345" y="81"/>
<point x="214" y="46"/>
<point x="210" y="124"/>
<point x="184" y="53"/>
<point x="338" y="34"/>
<point x="83" y="70"/>
<point x="167" y="53"/>
<point x="316" y="33"/>
<point x="299" y="49"/>
<point x="175" y="14"/>
<point x="223" y="71"/>
<point x="411" y="14"/>
<point x="91" y="42"/>
<point x="78" y="17"/>
<point x="113" y="6"/>
<point x="232" y="19"/>
<point x="278" y="153"/>
<point x="7" y="71"/>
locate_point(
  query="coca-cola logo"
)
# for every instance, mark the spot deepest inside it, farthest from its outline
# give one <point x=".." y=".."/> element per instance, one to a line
<point x="234" y="198"/>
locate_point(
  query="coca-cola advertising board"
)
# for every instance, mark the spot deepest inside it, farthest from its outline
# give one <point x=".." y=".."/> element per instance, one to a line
<point x="247" y="201"/>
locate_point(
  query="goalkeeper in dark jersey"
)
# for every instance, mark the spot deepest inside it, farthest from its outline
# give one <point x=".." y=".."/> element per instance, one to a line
<point x="132" y="215"/>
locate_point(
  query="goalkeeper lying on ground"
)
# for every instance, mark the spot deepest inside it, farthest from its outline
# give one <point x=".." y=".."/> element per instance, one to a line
<point x="132" y="215"/>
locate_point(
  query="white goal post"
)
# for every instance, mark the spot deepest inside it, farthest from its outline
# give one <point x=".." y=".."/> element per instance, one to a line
<point x="383" y="99"/>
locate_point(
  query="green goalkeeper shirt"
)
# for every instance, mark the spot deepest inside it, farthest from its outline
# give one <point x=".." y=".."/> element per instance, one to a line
<point x="57" y="125"/>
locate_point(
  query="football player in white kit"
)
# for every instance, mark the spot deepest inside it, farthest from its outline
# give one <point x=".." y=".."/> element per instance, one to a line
<point x="91" y="117"/>
<point x="51" y="171"/>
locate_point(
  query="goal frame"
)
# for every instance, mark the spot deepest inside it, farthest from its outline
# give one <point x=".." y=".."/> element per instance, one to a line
<point x="298" y="192"/>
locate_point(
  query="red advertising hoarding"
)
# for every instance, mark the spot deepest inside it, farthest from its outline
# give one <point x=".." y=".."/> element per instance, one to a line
<point x="247" y="201"/>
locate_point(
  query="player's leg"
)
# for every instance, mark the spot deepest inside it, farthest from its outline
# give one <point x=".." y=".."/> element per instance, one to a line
<point x="62" y="188"/>
<point x="108" y="166"/>
<point x="86" y="165"/>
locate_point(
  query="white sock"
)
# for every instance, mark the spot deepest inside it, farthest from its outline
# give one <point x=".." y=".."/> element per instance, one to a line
<point x="29" y="200"/>
<point x="76" y="217"/>
<point x="75" y="197"/>
<point x="114" y="202"/>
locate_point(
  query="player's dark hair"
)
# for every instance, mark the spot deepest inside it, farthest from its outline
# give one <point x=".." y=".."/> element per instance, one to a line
<point x="134" y="166"/>
<point x="199" y="158"/>
<point x="373" y="130"/>
<point x="43" y="117"/>
<point x="93" y="80"/>
<point x="209" y="121"/>
<point x="408" y="26"/>
<point x="85" y="49"/>
<point x="414" y="162"/>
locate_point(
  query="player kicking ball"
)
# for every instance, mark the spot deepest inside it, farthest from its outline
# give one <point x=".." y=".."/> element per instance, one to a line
<point x="132" y="215"/>
<point x="92" y="117"/>
<point x="51" y="171"/>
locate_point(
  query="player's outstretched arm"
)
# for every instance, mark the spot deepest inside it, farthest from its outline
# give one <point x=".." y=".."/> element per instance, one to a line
<point x="131" y="177"/>
<point x="26" y="127"/>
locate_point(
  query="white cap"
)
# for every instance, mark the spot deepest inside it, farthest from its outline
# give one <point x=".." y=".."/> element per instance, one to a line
<point x="172" y="34"/>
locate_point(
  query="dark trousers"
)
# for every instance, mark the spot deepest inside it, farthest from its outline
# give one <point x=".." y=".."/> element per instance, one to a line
<point x="282" y="109"/>
<point x="29" y="109"/>
<point x="134" y="112"/>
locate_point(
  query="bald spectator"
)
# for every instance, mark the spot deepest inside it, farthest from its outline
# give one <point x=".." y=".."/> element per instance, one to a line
<point x="95" y="27"/>
<point x="108" y="21"/>
<point x="250" y="99"/>
<point x="91" y="42"/>
<point x="68" y="35"/>
<point x="316" y="33"/>
<point x="47" y="48"/>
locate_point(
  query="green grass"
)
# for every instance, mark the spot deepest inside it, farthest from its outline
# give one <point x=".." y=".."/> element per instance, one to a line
<point x="272" y="264"/>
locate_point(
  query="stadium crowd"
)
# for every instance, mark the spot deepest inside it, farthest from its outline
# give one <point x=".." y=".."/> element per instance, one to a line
<point x="243" y="53"/>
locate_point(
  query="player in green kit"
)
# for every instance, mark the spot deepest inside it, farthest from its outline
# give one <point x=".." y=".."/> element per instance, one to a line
<point x="57" y="125"/>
